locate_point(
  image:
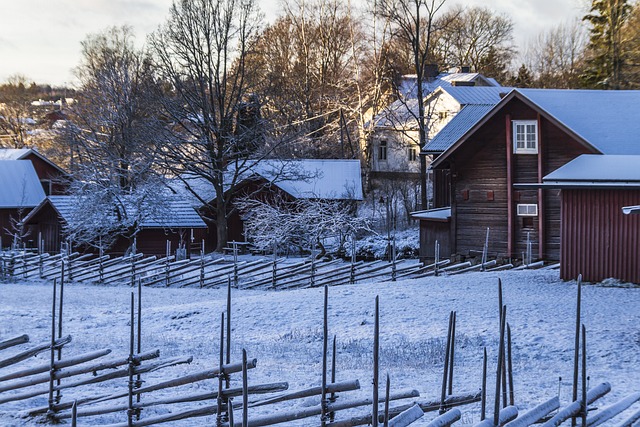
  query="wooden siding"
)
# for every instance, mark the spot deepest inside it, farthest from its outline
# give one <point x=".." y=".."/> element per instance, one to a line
<point x="430" y="231"/>
<point x="598" y="240"/>
<point x="480" y="187"/>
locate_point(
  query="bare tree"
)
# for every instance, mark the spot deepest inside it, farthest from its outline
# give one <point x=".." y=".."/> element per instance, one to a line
<point x="201" y="53"/>
<point x="475" y="37"/>
<point x="414" y="22"/>
<point x="15" y="119"/>
<point x="555" y="56"/>
<point x="115" y="122"/>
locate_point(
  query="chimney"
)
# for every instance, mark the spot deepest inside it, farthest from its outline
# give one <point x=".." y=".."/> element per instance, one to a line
<point x="430" y="71"/>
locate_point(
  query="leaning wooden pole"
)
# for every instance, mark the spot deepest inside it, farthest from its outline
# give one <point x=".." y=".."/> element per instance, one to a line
<point x="131" y="365"/>
<point x="452" y="353"/>
<point x="74" y="414"/>
<point x="483" y="405"/>
<point x="245" y="392"/>
<point x="496" y="410"/>
<point x="222" y="374"/>
<point x="325" y="332"/>
<point x="510" y="367"/>
<point x="52" y="370"/>
<point x="332" y="397"/>
<point x="386" y="401"/>
<point x="58" y="393"/>
<point x="376" y="362"/>
<point x="228" y="346"/>
<point x="139" y="343"/>
<point x="576" y="350"/>
<point x="447" y="351"/>
<point x="584" y="377"/>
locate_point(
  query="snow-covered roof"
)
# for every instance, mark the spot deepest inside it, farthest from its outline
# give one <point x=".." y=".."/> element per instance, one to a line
<point x="22" y="153"/>
<point x="439" y="214"/>
<point x="408" y="87"/>
<point x="606" y="119"/>
<point x="301" y="178"/>
<point x="20" y="186"/>
<point x="460" y="124"/>
<point x="589" y="169"/>
<point x="402" y="113"/>
<point x="175" y="213"/>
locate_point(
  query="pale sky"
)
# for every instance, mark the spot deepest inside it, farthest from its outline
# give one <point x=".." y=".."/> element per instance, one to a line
<point x="40" y="39"/>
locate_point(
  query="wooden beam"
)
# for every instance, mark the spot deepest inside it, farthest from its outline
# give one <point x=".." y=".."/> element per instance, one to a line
<point x="509" y="185"/>
<point x="541" y="204"/>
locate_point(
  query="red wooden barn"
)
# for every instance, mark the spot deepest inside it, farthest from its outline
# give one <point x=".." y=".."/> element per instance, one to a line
<point x="526" y="136"/>
<point x="51" y="176"/>
<point x="177" y="223"/>
<point x="20" y="191"/>
<point x="597" y="239"/>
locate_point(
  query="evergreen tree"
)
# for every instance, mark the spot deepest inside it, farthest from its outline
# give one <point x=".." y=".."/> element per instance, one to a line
<point x="524" y="78"/>
<point x="605" y="56"/>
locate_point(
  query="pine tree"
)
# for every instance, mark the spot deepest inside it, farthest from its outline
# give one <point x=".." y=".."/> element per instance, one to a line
<point x="605" y="56"/>
<point x="524" y="78"/>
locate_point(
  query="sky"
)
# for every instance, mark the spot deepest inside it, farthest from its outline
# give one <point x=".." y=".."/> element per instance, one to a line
<point x="40" y="39"/>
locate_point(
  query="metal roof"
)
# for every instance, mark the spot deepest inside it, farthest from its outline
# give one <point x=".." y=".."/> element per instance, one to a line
<point x="20" y="186"/>
<point x="606" y="119"/>
<point x="408" y="83"/>
<point x="175" y="213"/>
<point x="22" y="153"/>
<point x="465" y="95"/>
<point x="460" y="124"/>
<point x="598" y="168"/>
<point x="329" y="179"/>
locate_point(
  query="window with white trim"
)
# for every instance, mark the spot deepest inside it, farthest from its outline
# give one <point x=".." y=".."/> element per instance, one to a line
<point x="525" y="209"/>
<point x="525" y="137"/>
<point x="382" y="150"/>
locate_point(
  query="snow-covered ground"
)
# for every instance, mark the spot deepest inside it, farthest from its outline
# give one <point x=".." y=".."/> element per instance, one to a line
<point x="283" y="330"/>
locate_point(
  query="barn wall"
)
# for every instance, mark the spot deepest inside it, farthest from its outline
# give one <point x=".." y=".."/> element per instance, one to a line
<point x="480" y="188"/>
<point x="430" y="231"/>
<point x="598" y="240"/>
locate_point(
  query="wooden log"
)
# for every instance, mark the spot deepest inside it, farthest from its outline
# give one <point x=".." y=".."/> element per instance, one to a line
<point x="317" y="410"/>
<point x="529" y="266"/>
<point x="506" y="415"/>
<point x="551" y="266"/>
<point x="57" y="365"/>
<point x="11" y="342"/>
<point x="501" y="267"/>
<point x="451" y="401"/>
<point x="536" y="414"/>
<point x="232" y="392"/>
<point x="611" y="411"/>
<point x="632" y="420"/>
<point x="251" y="267"/>
<point x="407" y="417"/>
<point x="313" y="391"/>
<point x="446" y="419"/>
<point x="425" y="268"/>
<point x="573" y="408"/>
<point x="32" y="352"/>
<point x="288" y="271"/>
<point x="475" y="267"/>
<point x="456" y="266"/>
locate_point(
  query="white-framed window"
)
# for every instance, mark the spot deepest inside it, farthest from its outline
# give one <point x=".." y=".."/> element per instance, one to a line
<point x="382" y="150"/>
<point x="525" y="137"/>
<point x="526" y="209"/>
<point x="413" y="154"/>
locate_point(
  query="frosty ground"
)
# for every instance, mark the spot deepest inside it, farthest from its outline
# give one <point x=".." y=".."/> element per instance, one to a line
<point x="283" y="331"/>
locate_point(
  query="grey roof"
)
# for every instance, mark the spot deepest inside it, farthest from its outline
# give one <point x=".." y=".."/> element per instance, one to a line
<point x="301" y="178"/>
<point x="408" y="83"/>
<point x="22" y="153"/>
<point x="460" y="124"/>
<point x="175" y="213"/>
<point x="466" y="95"/>
<point x="598" y="168"/>
<point x="20" y="186"/>
<point x="609" y="120"/>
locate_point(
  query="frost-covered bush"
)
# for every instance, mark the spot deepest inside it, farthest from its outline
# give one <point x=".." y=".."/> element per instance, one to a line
<point x="375" y="246"/>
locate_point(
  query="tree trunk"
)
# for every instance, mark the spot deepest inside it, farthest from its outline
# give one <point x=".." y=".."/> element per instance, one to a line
<point x="222" y="233"/>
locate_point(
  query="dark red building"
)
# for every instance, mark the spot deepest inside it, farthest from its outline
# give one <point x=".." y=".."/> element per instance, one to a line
<point x="52" y="177"/>
<point x="598" y="240"/>
<point x="526" y="136"/>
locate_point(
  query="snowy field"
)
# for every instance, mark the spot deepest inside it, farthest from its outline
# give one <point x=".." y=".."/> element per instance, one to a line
<point x="283" y="331"/>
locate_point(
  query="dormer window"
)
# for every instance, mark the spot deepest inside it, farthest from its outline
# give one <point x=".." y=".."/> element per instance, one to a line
<point x="525" y="137"/>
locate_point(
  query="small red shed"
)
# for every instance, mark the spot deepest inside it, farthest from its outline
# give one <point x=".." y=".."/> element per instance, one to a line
<point x="597" y="239"/>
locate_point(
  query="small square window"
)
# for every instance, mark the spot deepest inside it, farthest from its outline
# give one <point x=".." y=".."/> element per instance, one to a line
<point x="525" y="137"/>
